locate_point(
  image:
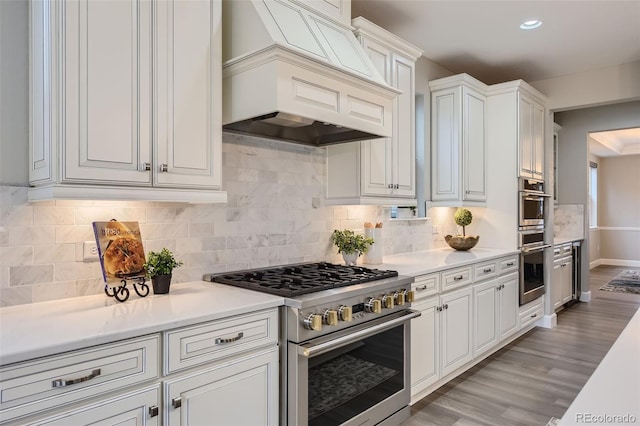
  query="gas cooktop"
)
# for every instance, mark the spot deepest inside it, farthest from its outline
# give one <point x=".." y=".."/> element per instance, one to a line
<point x="299" y="279"/>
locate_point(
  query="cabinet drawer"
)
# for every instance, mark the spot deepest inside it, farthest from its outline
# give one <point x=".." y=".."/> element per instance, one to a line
<point x="508" y="265"/>
<point x="454" y="278"/>
<point x="484" y="271"/>
<point x="37" y="385"/>
<point x="195" y="345"/>
<point x="426" y="285"/>
<point x="531" y="313"/>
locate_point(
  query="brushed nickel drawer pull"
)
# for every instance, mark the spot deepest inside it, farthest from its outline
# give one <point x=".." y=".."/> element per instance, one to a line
<point x="487" y="270"/>
<point x="59" y="383"/>
<point x="421" y="288"/>
<point x="176" y="402"/>
<point x="534" y="315"/>
<point x="510" y="264"/>
<point x="164" y="168"/>
<point x="458" y="278"/>
<point x="146" y="167"/>
<point x="153" y="411"/>
<point x="220" y="340"/>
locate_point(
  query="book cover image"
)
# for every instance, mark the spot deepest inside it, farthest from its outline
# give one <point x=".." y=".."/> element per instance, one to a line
<point x="120" y="250"/>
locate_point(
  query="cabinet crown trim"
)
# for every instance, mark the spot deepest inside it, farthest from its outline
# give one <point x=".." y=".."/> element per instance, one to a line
<point x="368" y="29"/>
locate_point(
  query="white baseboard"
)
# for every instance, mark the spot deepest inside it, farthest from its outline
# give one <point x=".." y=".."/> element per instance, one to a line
<point x="619" y="262"/>
<point x="595" y="263"/>
<point x="548" y="321"/>
<point x="585" y="296"/>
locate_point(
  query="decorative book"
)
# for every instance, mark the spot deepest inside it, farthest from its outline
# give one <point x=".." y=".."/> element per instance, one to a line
<point x="120" y="250"/>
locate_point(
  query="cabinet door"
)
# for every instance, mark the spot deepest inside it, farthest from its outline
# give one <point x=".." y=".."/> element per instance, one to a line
<point x="485" y="316"/>
<point x="556" y="284"/>
<point x="376" y="173"/>
<point x="445" y="144"/>
<point x="455" y="334"/>
<point x="188" y="93"/>
<point x="106" y="82"/>
<point x="132" y="409"/>
<point x="403" y="141"/>
<point x="474" y="157"/>
<point x="537" y="136"/>
<point x="425" y="332"/>
<point x="567" y="279"/>
<point x="243" y="392"/>
<point x="525" y="148"/>
<point x="509" y="305"/>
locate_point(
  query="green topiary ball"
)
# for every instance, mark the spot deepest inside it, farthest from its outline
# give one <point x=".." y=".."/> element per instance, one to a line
<point x="463" y="217"/>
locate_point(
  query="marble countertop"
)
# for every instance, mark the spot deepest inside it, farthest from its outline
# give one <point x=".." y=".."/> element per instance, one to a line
<point x="46" y="328"/>
<point x="612" y="393"/>
<point x="428" y="261"/>
<point x="564" y="240"/>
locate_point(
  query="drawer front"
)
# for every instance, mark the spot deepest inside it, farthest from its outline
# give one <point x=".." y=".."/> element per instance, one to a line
<point x="531" y="313"/>
<point x="485" y="271"/>
<point x="508" y="265"/>
<point x="38" y="385"/>
<point x="454" y="278"/>
<point x="195" y="345"/>
<point x="425" y="286"/>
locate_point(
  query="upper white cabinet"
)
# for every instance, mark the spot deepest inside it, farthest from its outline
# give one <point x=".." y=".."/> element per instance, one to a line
<point x="126" y="100"/>
<point x="458" y="140"/>
<point x="531" y="137"/>
<point x="380" y="171"/>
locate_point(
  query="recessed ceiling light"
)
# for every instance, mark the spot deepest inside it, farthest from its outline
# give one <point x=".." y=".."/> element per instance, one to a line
<point x="530" y="24"/>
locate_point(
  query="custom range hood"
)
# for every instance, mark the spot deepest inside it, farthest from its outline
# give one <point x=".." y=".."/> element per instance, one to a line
<point x="293" y="74"/>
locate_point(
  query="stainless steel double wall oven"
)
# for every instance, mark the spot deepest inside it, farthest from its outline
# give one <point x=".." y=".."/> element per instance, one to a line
<point x="345" y="342"/>
<point x="531" y="217"/>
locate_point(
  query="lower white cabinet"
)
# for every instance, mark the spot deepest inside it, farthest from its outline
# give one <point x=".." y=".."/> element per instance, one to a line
<point x="139" y="408"/>
<point x="562" y="276"/>
<point x="243" y="392"/>
<point x="462" y="325"/>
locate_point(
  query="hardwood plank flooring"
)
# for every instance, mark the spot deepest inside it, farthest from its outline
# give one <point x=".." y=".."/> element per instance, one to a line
<point x="537" y="376"/>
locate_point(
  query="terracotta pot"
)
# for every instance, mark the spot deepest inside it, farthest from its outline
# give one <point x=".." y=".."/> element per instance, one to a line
<point x="461" y="243"/>
<point x="161" y="284"/>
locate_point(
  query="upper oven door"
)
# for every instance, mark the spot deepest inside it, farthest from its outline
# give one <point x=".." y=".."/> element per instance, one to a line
<point x="353" y="375"/>
<point x="531" y="210"/>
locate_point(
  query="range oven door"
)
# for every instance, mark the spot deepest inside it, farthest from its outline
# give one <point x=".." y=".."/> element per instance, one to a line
<point x="532" y="273"/>
<point x="356" y="376"/>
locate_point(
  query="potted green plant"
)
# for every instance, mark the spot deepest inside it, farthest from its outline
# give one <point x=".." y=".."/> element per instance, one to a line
<point x="462" y="217"/>
<point x="350" y="244"/>
<point x="159" y="267"/>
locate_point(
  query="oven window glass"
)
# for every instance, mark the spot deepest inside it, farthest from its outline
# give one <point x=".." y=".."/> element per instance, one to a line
<point x="533" y="270"/>
<point x="533" y="208"/>
<point x="349" y="380"/>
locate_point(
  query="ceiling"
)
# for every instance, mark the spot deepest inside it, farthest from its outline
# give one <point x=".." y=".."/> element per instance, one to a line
<point x="483" y="38"/>
<point x="614" y="143"/>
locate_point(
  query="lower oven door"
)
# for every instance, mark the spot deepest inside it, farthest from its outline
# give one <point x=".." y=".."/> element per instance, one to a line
<point x="532" y="273"/>
<point x="356" y="376"/>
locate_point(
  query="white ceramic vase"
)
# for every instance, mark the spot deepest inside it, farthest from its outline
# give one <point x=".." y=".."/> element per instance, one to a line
<point x="350" y="259"/>
<point x="373" y="256"/>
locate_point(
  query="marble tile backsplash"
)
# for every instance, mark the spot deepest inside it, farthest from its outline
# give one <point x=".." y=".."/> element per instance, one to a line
<point x="276" y="214"/>
<point x="568" y="221"/>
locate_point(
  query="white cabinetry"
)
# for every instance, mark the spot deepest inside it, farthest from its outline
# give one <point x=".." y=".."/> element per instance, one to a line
<point x="132" y="113"/>
<point x="531" y="137"/>
<point x="380" y="171"/>
<point x="562" y="276"/>
<point x="458" y="135"/>
<point x="208" y="369"/>
<point x="462" y="323"/>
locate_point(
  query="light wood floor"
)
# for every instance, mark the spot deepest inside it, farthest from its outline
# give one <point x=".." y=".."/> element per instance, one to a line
<point x="537" y="376"/>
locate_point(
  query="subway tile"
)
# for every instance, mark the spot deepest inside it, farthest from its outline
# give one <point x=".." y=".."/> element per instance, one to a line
<point x="16" y="256"/>
<point x="30" y="274"/>
<point x="15" y="296"/>
<point x="53" y="291"/>
<point x="31" y="235"/>
<point x="71" y="234"/>
<point x="54" y="253"/>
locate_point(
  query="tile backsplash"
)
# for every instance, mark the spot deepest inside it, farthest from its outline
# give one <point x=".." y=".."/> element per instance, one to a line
<point x="568" y="221"/>
<point x="276" y="214"/>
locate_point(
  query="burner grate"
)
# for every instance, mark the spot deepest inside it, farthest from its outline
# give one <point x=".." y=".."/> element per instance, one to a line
<point x="296" y="280"/>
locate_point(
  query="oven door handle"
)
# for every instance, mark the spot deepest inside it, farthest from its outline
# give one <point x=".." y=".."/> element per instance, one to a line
<point x="309" y="350"/>
<point x="535" y="249"/>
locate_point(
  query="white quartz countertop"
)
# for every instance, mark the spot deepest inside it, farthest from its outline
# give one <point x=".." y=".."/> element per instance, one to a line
<point x="41" y="329"/>
<point x="428" y="261"/>
<point x="611" y="396"/>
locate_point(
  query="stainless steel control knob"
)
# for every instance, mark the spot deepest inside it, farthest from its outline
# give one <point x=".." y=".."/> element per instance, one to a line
<point x="373" y="305"/>
<point x="330" y="317"/>
<point x="388" y="301"/>
<point x="313" y="322"/>
<point x="345" y="313"/>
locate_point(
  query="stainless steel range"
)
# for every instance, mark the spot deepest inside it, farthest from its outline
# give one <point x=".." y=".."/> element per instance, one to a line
<point x="345" y="341"/>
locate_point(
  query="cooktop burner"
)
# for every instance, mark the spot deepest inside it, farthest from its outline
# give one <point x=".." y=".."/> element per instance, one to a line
<point x="295" y="280"/>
